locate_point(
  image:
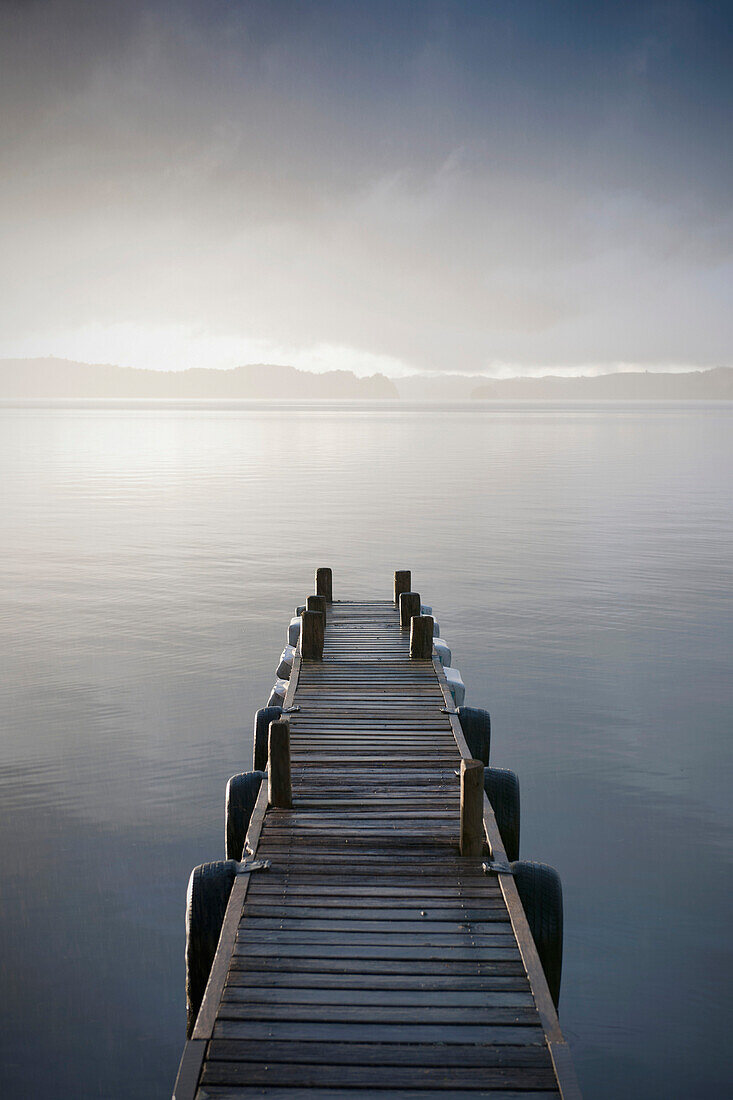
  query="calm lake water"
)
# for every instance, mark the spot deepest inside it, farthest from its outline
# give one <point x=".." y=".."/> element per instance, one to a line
<point x="579" y="560"/>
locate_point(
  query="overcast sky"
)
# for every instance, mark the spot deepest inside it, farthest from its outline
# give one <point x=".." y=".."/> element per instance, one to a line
<point x="489" y="186"/>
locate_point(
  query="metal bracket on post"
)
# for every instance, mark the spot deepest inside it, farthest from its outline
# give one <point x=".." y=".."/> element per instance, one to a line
<point x="248" y="865"/>
<point x="496" y="868"/>
<point x="447" y="710"/>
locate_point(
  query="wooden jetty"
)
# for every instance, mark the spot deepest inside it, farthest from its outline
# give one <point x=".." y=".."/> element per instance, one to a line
<point x="373" y="943"/>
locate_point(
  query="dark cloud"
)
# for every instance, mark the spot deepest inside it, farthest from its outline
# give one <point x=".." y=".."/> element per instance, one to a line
<point x="449" y="184"/>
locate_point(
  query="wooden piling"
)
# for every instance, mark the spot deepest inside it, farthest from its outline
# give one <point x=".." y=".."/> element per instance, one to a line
<point x="324" y="584"/>
<point x="316" y="603"/>
<point x="312" y="630"/>
<point x="472" y="807"/>
<point x="421" y="637"/>
<point x="279" y="788"/>
<point x="402" y="583"/>
<point x="409" y="606"/>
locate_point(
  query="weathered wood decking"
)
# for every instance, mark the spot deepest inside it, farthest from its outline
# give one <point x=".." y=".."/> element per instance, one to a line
<point x="371" y="959"/>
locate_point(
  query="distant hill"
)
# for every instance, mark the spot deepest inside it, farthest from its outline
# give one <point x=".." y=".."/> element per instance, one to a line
<point x="62" y="379"/>
<point x="705" y="385"/>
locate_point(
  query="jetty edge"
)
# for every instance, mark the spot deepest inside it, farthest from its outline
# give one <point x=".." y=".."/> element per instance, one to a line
<point x="372" y="931"/>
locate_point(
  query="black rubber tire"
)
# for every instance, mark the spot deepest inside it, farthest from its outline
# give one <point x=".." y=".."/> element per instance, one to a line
<point x="208" y="893"/>
<point x="540" y="891"/>
<point x="242" y="791"/>
<point x="263" y="717"/>
<point x="476" y="726"/>
<point x="502" y="789"/>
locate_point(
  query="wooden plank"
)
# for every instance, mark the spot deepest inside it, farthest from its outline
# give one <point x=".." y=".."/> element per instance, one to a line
<point x="313" y="905"/>
<point x="309" y="1075"/>
<point x="451" y="968"/>
<point x="410" y="918"/>
<point x="266" y="1092"/>
<point x="380" y="1054"/>
<point x="290" y="980"/>
<point x="320" y="1031"/>
<point x="368" y="828"/>
<point x="402" y="998"/>
<point x="279" y="891"/>
<point x="381" y="871"/>
<point x="425" y="883"/>
<point x="356" y="924"/>
<point x="353" y="951"/>
<point x="232" y="1009"/>
<point x="291" y="937"/>
<point x="365" y="861"/>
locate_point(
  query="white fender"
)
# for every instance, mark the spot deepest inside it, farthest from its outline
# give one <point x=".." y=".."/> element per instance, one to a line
<point x="277" y="695"/>
<point x="456" y="685"/>
<point x="442" y="652"/>
<point x="286" y="663"/>
<point x="294" y="631"/>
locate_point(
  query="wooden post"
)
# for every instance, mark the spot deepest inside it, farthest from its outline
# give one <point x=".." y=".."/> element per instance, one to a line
<point x="472" y="807"/>
<point x="409" y="606"/>
<point x="316" y="603"/>
<point x="279" y="789"/>
<point x="402" y="583"/>
<point x="312" y="629"/>
<point x="421" y="637"/>
<point x="324" y="584"/>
